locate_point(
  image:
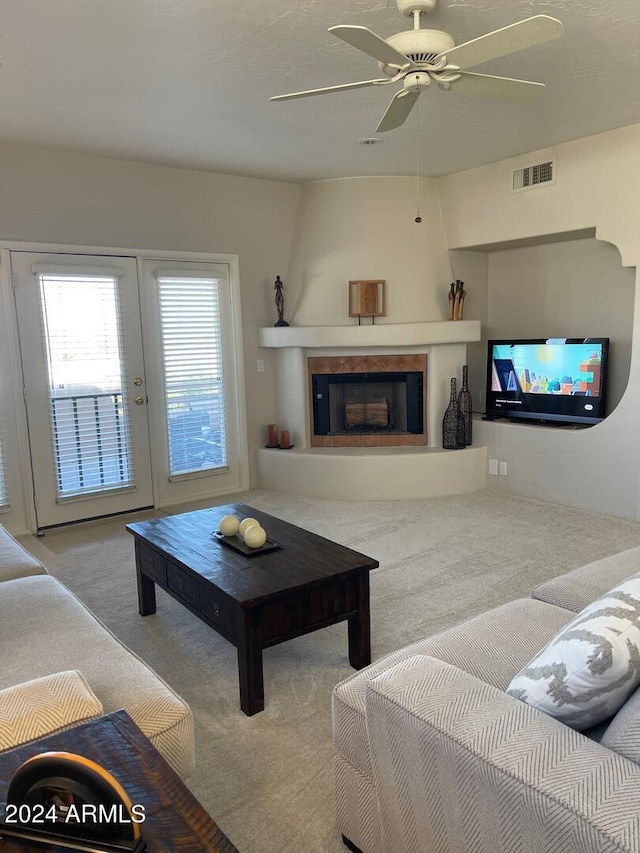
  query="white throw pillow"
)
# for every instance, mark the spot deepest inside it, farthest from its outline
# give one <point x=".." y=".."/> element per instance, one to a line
<point x="587" y="672"/>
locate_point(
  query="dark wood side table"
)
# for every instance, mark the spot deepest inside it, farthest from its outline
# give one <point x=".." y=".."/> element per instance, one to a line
<point x="255" y="601"/>
<point x="175" y="822"/>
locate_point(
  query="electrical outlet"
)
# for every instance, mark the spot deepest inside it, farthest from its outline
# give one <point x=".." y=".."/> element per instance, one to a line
<point x="502" y="467"/>
<point x="493" y="467"/>
<point x="260" y="364"/>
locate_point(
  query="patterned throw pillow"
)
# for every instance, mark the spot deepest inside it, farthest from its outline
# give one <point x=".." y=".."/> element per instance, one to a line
<point x="587" y="672"/>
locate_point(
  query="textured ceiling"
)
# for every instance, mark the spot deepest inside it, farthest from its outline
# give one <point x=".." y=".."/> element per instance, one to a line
<point x="187" y="83"/>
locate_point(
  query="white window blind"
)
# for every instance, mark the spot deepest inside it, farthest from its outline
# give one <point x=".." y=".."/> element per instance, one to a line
<point x="4" y="501"/>
<point x="85" y="362"/>
<point x="193" y="369"/>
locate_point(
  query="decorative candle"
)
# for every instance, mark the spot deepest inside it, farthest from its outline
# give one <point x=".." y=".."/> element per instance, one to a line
<point x="284" y="438"/>
<point x="273" y="435"/>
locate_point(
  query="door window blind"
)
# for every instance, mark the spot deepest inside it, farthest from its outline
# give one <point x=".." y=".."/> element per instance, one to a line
<point x="85" y="362"/>
<point x="193" y="369"/>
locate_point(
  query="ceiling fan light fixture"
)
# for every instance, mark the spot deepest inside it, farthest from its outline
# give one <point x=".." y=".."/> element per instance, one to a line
<point x="371" y="140"/>
<point x="416" y="81"/>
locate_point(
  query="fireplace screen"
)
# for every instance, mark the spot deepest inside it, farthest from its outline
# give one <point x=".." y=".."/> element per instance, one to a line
<point x="365" y="403"/>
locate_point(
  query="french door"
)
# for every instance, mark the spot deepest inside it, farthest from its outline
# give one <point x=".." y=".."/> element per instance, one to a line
<point x="105" y="436"/>
<point x="84" y="384"/>
<point x="192" y="350"/>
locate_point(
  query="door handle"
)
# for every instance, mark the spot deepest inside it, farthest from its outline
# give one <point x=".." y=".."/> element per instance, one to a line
<point x="137" y="381"/>
<point x="139" y="400"/>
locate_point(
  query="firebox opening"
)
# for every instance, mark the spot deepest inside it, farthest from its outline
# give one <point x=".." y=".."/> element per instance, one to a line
<point x="368" y="403"/>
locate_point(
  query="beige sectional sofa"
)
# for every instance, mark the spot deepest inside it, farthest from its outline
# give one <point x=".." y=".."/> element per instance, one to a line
<point x="433" y="755"/>
<point x="45" y="629"/>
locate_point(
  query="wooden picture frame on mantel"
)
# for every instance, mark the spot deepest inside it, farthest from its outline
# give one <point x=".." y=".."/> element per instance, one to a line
<point x="367" y="298"/>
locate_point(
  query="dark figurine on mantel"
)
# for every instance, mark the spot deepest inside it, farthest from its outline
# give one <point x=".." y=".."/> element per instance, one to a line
<point x="279" y="301"/>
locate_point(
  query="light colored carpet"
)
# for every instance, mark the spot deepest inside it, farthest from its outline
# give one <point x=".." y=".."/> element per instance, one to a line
<point x="267" y="779"/>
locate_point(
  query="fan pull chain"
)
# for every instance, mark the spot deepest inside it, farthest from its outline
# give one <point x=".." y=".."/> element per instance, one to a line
<point x="418" y="218"/>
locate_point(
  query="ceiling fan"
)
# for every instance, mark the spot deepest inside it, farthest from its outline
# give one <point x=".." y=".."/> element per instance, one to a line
<point x="419" y="56"/>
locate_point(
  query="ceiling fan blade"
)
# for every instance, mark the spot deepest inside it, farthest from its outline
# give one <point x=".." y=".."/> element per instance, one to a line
<point x="342" y="88"/>
<point x="527" y="33"/>
<point x="398" y="110"/>
<point x="371" y="44"/>
<point x="487" y="86"/>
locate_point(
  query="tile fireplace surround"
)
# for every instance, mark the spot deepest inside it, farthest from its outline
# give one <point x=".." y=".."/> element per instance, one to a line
<point x="369" y="468"/>
<point x="381" y="366"/>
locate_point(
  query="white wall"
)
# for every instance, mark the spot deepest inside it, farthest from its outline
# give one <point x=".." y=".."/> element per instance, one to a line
<point x="60" y="197"/>
<point x="363" y="228"/>
<point x="597" y="187"/>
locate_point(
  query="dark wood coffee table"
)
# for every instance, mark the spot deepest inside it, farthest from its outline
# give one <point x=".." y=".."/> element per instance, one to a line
<point x="258" y="601"/>
<point x="175" y="822"/>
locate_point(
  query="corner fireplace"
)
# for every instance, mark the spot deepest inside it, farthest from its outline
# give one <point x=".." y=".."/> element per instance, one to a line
<point x="368" y="401"/>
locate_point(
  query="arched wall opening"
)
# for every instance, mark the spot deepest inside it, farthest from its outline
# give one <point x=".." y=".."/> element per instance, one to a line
<point x="568" y="288"/>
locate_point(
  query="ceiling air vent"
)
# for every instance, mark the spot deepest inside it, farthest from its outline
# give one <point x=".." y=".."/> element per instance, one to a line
<point x="534" y="176"/>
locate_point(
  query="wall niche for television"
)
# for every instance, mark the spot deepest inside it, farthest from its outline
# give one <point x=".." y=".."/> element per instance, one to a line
<point x="573" y="288"/>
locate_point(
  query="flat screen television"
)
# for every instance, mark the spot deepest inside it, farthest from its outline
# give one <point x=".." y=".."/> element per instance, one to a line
<point x="552" y="380"/>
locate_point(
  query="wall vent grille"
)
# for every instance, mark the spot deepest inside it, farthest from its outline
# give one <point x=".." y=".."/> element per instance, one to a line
<point x="534" y="176"/>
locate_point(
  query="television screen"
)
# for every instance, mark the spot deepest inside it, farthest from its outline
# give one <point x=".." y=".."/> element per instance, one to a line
<point x="549" y="380"/>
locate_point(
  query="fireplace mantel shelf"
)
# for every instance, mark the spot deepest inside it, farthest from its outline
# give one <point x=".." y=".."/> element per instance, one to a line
<point x="382" y="335"/>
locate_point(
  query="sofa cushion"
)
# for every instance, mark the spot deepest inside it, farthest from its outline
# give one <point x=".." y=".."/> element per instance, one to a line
<point x="15" y="562"/>
<point x="575" y="590"/>
<point x="585" y="673"/>
<point x="44" y="629"/>
<point x="492" y="646"/>
<point x="623" y="732"/>
<point x="45" y="706"/>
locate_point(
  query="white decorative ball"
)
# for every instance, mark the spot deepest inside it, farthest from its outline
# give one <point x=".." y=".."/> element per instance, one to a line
<point x="255" y="536"/>
<point x="247" y="522"/>
<point x="229" y="525"/>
